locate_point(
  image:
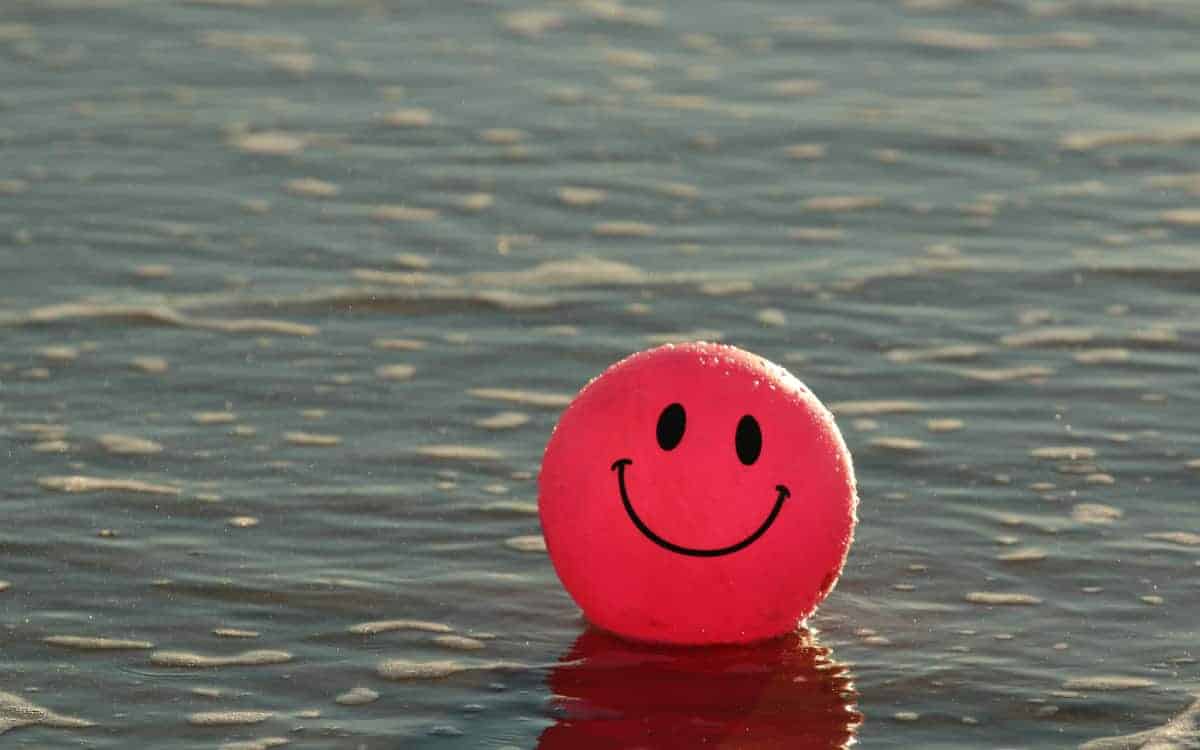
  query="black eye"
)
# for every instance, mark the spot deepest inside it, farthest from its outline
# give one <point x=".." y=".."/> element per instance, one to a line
<point x="748" y="440"/>
<point x="671" y="423"/>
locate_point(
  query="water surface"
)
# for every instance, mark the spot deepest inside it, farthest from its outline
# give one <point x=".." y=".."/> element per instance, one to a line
<point x="292" y="292"/>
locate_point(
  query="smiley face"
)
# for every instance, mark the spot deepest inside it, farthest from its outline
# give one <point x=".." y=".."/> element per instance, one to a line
<point x="672" y="424"/>
<point x="697" y="494"/>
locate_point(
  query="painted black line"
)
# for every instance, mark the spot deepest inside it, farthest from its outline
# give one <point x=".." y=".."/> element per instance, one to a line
<point x="619" y="467"/>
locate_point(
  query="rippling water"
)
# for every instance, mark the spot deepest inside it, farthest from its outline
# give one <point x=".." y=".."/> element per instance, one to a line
<point x="292" y="292"/>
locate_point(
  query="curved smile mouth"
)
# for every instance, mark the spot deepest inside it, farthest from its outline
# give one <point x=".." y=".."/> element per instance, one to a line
<point x="619" y="467"/>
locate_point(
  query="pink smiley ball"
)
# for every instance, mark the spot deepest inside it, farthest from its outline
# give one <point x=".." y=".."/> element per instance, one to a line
<point x="695" y="494"/>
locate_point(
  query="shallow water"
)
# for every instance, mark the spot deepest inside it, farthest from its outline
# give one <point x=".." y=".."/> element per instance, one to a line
<point x="292" y="292"/>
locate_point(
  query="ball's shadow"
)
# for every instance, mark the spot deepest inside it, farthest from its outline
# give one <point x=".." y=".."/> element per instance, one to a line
<point x="787" y="692"/>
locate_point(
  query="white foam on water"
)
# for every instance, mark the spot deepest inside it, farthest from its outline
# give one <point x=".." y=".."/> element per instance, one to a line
<point x="16" y="712"/>
<point x="998" y="598"/>
<point x="228" y="718"/>
<point x="89" y="643"/>
<point x="530" y="543"/>
<point x="192" y="660"/>
<point x="357" y="696"/>
<point x="1180" y="733"/>
<point x="383" y="626"/>
<point x="456" y="452"/>
<point x="77" y="484"/>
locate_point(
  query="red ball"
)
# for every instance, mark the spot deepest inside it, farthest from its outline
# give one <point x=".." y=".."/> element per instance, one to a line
<point x="697" y="493"/>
